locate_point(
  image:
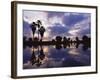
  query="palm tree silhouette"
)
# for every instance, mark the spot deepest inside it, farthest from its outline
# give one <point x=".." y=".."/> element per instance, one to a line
<point x="41" y="31"/>
<point x="33" y="28"/>
<point x="39" y="23"/>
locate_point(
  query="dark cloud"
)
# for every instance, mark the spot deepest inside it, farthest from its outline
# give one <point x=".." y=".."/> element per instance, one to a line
<point x="52" y="14"/>
<point x="69" y="20"/>
<point x="58" y="29"/>
<point x="72" y="19"/>
<point x="85" y="32"/>
<point x="25" y="25"/>
<point x="26" y="29"/>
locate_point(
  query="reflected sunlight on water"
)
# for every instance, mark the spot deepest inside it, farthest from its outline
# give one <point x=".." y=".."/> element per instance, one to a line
<point x="74" y="52"/>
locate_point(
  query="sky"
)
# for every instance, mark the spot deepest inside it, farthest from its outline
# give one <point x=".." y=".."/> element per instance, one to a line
<point x="68" y="24"/>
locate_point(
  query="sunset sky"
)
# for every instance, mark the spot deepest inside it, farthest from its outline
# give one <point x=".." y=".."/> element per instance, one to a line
<point x="69" y="24"/>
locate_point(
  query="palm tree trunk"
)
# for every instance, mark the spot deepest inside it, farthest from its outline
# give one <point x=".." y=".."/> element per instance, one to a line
<point x="38" y="33"/>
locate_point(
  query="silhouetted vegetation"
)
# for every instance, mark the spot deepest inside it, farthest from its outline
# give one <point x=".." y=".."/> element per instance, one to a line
<point x="33" y="28"/>
<point x="59" y="41"/>
<point x="41" y="29"/>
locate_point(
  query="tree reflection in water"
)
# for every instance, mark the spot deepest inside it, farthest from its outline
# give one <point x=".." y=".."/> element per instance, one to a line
<point x="74" y="57"/>
<point x="37" y="60"/>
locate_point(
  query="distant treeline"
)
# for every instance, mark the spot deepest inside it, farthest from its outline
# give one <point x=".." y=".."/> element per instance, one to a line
<point x="57" y="41"/>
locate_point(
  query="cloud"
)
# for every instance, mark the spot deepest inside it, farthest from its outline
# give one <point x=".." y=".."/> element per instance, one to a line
<point x="58" y="30"/>
<point x="55" y="20"/>
<point x="59" y="23"/>
<point x="26" y="29"/>
<point x="53" y="14"/>
<point x="72" y="18"/>
<point x="81" y="28"/>
<point x="30" y="16"/>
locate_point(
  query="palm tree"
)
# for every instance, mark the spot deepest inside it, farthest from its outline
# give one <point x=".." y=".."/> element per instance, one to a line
<point x="41" y="31"/>
<point x="33" y="28"/>
<point x="39" y="23"/>
<point x="77" y="40"/>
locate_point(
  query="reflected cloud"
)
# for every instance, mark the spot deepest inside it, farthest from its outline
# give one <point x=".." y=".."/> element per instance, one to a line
<point x="74" y="52"/>
<point x="50" y="57"/>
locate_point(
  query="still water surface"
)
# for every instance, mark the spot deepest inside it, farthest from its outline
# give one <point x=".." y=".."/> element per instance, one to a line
<point x="50" y="56"/>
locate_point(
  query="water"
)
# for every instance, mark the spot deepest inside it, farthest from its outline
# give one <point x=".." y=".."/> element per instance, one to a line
<point x="50" y="56"/>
